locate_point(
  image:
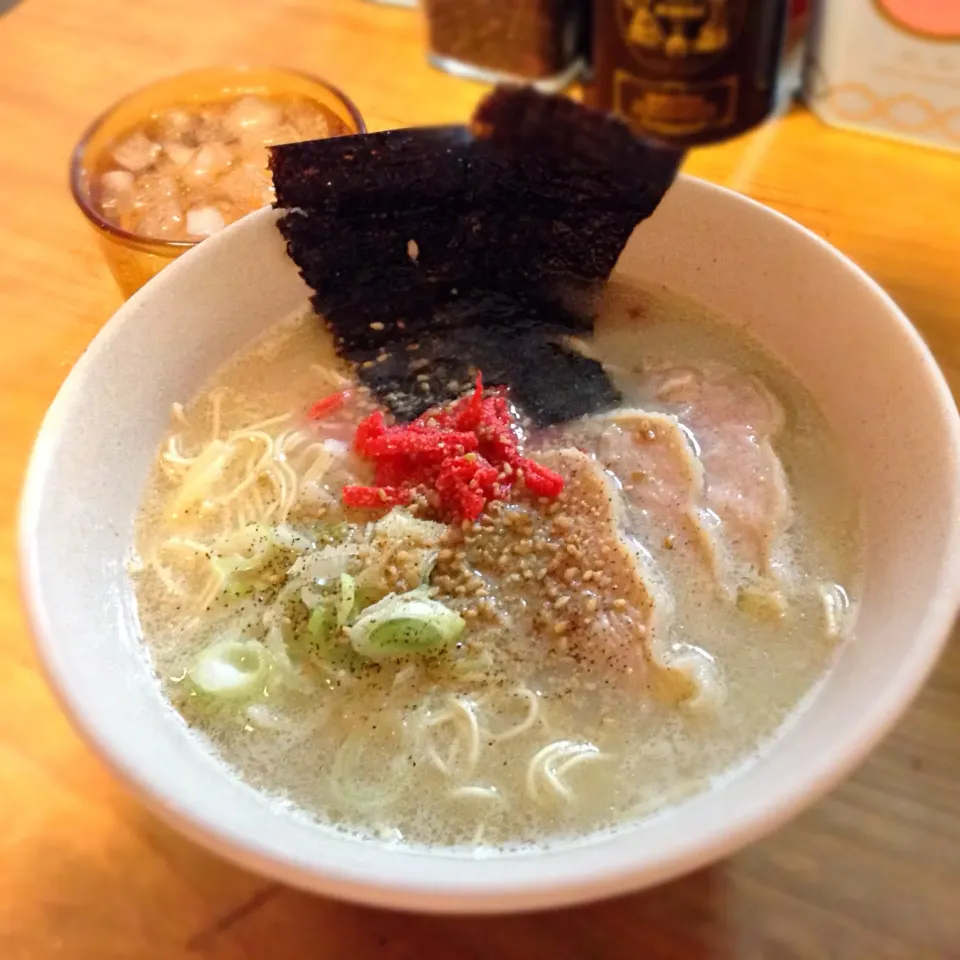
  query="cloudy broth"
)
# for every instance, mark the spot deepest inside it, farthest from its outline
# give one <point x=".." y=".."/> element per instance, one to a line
<point x="519" y="735"/>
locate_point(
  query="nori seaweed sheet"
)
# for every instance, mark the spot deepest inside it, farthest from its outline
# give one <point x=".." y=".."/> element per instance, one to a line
<point x="436" y="251"/>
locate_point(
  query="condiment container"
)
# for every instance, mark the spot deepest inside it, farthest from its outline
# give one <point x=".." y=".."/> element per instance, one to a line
<point x="133" y="258"/>
<point x="689" y="72"/>
<point x="888" y="67"/>
<point x="537" y="41"/>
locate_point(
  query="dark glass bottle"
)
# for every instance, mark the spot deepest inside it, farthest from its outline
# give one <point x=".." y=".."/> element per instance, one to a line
<point x="689" y="72"/>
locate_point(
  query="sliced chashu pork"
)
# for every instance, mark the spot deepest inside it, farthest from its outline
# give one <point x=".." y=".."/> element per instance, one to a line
<point x="618" y="616"/>
<point x="708" y="474"/>
<point x="735" y="421"/>
<point x="655" y="459"/>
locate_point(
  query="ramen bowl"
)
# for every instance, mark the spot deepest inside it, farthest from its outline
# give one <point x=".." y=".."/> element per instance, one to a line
<point x="863" y="362"/>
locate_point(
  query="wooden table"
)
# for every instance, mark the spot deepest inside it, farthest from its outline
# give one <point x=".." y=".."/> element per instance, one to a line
<point x="871" y="873"/>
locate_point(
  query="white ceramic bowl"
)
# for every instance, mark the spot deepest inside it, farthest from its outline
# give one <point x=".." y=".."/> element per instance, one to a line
<point x="851" y="346"/>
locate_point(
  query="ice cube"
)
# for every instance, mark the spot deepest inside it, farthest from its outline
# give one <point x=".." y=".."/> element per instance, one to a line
<point x="257" y="155"/>
<point x="285" y="133"/>
<point x="176" y="125"/>
<point x="204" y="221"/>
<point x="136" y="152"/>
<point x="252" y="116"/>
<point x="178" y="153"/>
<point x="247" y="185"/>
<point x="162" y="221"/>
<point x="152" y="189"/>
<point x="310" y="123"/>
<point x="114" y="192"/>
<point x="116" y="183"/>
<point x="113" y="208"/>
<point x="208" y="163"/>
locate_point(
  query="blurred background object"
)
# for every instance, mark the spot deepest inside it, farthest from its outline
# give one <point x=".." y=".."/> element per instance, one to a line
<point x="889" y="67"/>
<point x="501" y="40"/>
<point x="684" y="72"/>
<point x="690" y="72"/>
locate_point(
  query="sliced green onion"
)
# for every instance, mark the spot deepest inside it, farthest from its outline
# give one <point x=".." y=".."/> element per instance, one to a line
<point x="231" y="668"/>
<point x="399" y="626"/>
<point x="365" y="597"/>
<point x="348" y="594"/>
<point x="427" y="563"/>
<point x="238" y="555"/>
<point x="324" y="640"/>
<point x="398" y="524"/>
<point x="324" y="564"/>
<point x="323" y="621"/>
<point x="236" y="589"/>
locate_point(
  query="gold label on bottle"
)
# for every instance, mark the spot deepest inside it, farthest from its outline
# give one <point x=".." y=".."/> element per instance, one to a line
<point x="676" y="108"/>
<point x="679" y="36"/>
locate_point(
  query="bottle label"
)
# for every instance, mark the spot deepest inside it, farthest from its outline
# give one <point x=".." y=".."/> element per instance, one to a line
<point x="676" y="108"/>
<point x="679" y="36"/>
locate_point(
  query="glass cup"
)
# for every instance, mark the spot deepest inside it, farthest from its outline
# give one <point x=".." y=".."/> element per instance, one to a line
<point x="133" y="259"/>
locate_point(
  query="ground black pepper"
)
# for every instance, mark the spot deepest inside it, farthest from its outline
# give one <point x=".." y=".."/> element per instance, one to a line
<point x="533" y="39"/>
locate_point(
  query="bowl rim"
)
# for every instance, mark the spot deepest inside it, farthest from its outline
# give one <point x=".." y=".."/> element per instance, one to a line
<point x="76" y="169"/>
<point x="566" y="883"/>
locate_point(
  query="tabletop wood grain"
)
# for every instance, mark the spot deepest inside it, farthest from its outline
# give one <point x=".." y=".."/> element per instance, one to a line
<point x="871" y="873"/>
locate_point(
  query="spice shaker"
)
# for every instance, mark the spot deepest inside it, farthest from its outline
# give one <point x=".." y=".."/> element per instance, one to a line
<point x="690" y="72"/>
<point x="536" y="41"/>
